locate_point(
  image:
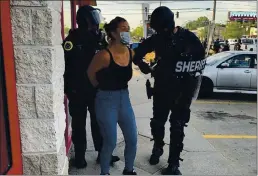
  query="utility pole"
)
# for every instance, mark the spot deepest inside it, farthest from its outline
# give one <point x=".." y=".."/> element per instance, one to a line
<point x="211" y="27"/>
<point x="159" y="3"/>
<point x="214" y="10"/>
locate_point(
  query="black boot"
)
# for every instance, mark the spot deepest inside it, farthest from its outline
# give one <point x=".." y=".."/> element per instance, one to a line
<point x="171" y="170"/>
<point x="79" y="160"/>
<point x="126" y="172"/>
<point x="113" y="159"/>
<point x="157" y="152"/>
<point x="80" y="163"/>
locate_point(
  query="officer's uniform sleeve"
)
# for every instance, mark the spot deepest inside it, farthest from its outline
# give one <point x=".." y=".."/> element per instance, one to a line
<point x="68" y="46"/>
<point x="145" y="47"/>
<point x="194" y="46"/>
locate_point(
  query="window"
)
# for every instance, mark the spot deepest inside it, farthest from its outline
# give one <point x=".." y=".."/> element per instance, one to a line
<point x="254" y="61"/>
<point x="247" y="41"/>
<point x="217" y="57"/>
<point x="240" y="61"/>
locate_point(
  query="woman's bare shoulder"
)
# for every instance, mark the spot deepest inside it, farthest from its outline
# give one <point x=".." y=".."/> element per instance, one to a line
<point x="103" y="56"/>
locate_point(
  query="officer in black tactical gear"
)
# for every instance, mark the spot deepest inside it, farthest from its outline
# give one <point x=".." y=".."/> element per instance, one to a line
<point x="177" y="76"/>
<point x="79" y="48"/>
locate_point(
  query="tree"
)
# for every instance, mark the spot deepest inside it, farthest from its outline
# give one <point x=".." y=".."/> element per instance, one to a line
<point x="202" y="34"/>
<point x="137" y="33"/>
<point x="233" y="30"/>
<point x="66" y="30"/>
<point x="200" y="22"/>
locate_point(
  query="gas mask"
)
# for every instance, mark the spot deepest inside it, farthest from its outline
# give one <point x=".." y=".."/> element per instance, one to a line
<point x="125" y="38"/>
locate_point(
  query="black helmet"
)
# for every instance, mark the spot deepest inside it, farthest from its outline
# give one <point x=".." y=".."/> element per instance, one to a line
<point x="162" y="18"/>
<point x="87" y="12"/>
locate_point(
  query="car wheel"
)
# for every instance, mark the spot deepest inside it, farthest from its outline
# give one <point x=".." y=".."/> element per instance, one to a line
<point x="206" y="88"/>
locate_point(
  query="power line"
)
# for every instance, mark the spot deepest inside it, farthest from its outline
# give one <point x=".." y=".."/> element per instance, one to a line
<point x="139" y="3"/>
<point x="134" y="13"/>
<point x="186" y="9"/>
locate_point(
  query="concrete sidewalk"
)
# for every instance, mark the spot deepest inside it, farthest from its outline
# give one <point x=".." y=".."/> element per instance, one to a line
<point x="200" y="157"/>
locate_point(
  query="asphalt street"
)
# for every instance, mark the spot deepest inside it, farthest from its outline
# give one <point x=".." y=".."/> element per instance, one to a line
<point x="221" y="138"/>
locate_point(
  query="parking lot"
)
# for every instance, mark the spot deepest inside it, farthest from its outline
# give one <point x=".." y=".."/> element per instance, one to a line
<point x="220" y="138"/>
<point x="227" y="121"/>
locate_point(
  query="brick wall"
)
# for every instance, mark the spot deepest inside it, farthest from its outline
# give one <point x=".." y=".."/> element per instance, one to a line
<point x="39" y="64"/>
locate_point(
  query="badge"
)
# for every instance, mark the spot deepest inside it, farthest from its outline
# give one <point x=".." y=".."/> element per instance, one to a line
<point x="68" y="46"/>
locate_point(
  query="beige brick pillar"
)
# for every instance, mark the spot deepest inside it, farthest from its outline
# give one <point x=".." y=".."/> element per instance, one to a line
<point x="39" y="64"/>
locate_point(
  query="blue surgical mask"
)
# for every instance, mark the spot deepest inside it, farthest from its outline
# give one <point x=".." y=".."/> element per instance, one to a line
<point x="125" y="38"/>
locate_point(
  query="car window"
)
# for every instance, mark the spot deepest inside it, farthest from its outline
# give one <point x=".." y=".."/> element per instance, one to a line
<point x="247" y="41"/>
<point x="255" y="41"/>
<point x="211" y="60"/>
<point x="255" y="60"/>
<point x="240" y="61"/>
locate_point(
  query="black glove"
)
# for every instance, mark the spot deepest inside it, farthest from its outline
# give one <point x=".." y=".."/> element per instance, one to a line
<point x="144" y="67"/>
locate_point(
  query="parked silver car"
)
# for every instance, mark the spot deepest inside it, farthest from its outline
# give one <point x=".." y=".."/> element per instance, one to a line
<point x="230" y="72"/>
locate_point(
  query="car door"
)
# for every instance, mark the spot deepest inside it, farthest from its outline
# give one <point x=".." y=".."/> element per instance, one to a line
<point x="237" y="75"/>
<point x="254" y="73"/>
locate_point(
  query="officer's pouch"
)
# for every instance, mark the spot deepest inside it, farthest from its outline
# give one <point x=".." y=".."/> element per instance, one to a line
<point x="149" y="89"/>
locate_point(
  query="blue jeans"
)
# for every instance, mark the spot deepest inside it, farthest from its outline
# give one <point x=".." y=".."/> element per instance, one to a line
<point x="114" y="107"/>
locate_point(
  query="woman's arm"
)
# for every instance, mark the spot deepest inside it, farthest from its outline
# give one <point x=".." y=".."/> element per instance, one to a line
<point x="133" y="53"/>
<point x="100" y="61"/>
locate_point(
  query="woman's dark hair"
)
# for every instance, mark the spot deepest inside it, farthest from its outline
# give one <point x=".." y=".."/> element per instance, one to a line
<point x="113" y="25"/>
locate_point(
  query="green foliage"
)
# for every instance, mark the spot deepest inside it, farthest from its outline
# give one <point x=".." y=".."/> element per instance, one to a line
<point x="137" y="33"/>
<point x="200" y="22"/>
<point x="233" y="30"/>
<point x="66" y="30"/>
<point x="202" y="34"/>
<point x="101" y="25"/>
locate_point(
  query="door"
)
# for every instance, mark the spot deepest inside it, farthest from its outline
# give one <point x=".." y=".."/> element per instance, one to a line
<point x="10" y="141"/>
<point x="254" y="73"/>
<point x="238" y="73"/>
<point x="5" y="147"/>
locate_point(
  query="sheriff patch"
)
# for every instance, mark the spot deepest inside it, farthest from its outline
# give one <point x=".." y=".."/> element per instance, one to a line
<point x="68" y="46"/>
<point x="190" y="66"/>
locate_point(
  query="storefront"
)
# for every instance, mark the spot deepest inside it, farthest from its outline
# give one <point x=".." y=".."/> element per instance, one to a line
<point x="34" y="125"/>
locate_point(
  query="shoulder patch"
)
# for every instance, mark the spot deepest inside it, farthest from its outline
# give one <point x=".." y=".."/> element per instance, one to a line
<point x="68" y="45"/>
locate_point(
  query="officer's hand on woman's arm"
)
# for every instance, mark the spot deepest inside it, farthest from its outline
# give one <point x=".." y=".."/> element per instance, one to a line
<point x="101" y="60"/>
<point x="143" y="66"/>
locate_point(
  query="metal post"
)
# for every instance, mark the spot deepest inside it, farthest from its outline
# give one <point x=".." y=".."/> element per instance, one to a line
<point x="145" y="13"/>
<point x="214" y="10"/>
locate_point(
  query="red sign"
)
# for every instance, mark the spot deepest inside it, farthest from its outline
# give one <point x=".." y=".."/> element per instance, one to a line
<point x="242" y="18"/>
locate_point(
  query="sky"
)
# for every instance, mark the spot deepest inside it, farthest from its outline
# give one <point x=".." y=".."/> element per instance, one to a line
<point x="188" y="10"/>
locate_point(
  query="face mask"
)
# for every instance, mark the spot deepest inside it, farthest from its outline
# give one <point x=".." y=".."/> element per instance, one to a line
<point x="125" y="38"/>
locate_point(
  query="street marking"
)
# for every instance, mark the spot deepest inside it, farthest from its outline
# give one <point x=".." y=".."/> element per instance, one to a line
<point x="229" y="137"/>
<point x="222" y="102"/>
